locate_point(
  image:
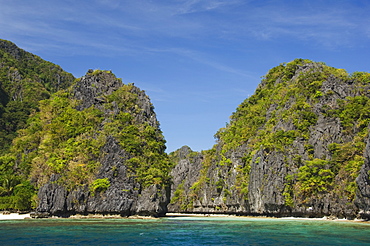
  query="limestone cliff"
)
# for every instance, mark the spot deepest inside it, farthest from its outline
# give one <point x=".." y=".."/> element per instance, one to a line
<point x="294" y="148"/>
<point x="98" y="149"/>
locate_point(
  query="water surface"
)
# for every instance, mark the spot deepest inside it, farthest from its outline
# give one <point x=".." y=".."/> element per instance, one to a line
<point x="183" y="231"/>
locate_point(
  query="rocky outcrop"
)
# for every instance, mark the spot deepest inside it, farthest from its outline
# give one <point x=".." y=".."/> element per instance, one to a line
<point x="125" y="195"/>
<point x="12" y="49"/>
<point x="184" y="175"/>
<point x="92" y="89"/>
<point x="201" y="186"/>
<point x="301" y="160"/>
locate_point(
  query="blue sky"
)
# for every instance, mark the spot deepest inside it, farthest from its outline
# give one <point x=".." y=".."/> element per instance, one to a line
<point x="196" y="59"/>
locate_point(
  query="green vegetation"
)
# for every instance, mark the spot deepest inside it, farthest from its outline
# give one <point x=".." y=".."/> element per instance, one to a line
<point x="347" y="160"/>
<point x="289" y="102"/>
<point x="288" y="191"/>
<point x="315" y="177"/>
<point x="25" y="79"/>
<point x="354" y="113"/>
<point x="16" y="194"/>
<point x="282" y="111"/>
<point x="62" y="140"/>
<point x="99" y="185"/>
<point x="292" y="103"/>
<point x="98" y="71"/>
<point x="180" y="197"/>
<point x="144" y="142"/>
<point x="58" y="140"/>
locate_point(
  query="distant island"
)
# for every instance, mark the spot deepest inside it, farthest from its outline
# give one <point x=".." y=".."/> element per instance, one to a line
<point x="299" y="146"/>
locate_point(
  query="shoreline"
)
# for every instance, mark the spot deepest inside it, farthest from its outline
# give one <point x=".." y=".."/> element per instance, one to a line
<point x="325" y="218"/>
<point x="14" y="216"/>
<point x="17" y="216"/>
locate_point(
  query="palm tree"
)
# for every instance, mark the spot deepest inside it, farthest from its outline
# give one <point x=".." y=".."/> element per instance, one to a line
<point x="8" y="184"/>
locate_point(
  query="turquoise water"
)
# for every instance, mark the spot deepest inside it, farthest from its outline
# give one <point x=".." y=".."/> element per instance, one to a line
<point x="183" y="231"/>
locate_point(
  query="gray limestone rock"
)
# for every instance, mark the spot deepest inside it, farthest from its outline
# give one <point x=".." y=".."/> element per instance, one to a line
<point x="125" y="195"/>
<point x="213" y="185"/>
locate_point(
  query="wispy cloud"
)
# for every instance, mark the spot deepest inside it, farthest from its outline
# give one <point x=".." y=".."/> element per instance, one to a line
<point x="194" y="6"/>
<point x="202" y="58"/>
<point x="327" y="24"/>
<point x="142" y="23"/>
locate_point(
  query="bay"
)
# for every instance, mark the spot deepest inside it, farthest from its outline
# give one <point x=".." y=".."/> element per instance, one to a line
<point x="184" y="231"/>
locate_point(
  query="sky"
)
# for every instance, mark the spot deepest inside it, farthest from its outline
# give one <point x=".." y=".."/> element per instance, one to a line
<point x="197" y="60"/>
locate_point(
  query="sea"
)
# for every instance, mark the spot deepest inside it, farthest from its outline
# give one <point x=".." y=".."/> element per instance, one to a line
<point x="179" y="230"/>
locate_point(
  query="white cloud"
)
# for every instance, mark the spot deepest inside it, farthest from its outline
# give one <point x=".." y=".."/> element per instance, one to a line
<point x="204" y="59"/>
<point x="332" y="25"/>
<point x="194" y="6"/>
<point x="139" y="24"/>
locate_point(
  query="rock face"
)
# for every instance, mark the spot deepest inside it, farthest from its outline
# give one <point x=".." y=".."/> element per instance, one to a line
<point x="125" y="194"/>
<point x="198" y="185"/>
<point x="295" y="148"/>
<point x="184" y="175"/>
<point x="91" y="89"/>
<point x="363" y="182"/>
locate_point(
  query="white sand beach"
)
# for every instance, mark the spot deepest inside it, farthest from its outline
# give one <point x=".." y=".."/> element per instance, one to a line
<point x="14" y="216"/>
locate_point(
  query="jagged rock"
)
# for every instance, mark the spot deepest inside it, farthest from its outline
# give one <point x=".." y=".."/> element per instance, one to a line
<point x="184" y="175"/>
<point x="91" y="89"/>
<point x="125" y="195"/>
<point x="263" y="179"/>
<point x="209" y="199"/>
<point x="11" y="49"/>
<point x="153" y="201"/>
<point x="39" y="215"/>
